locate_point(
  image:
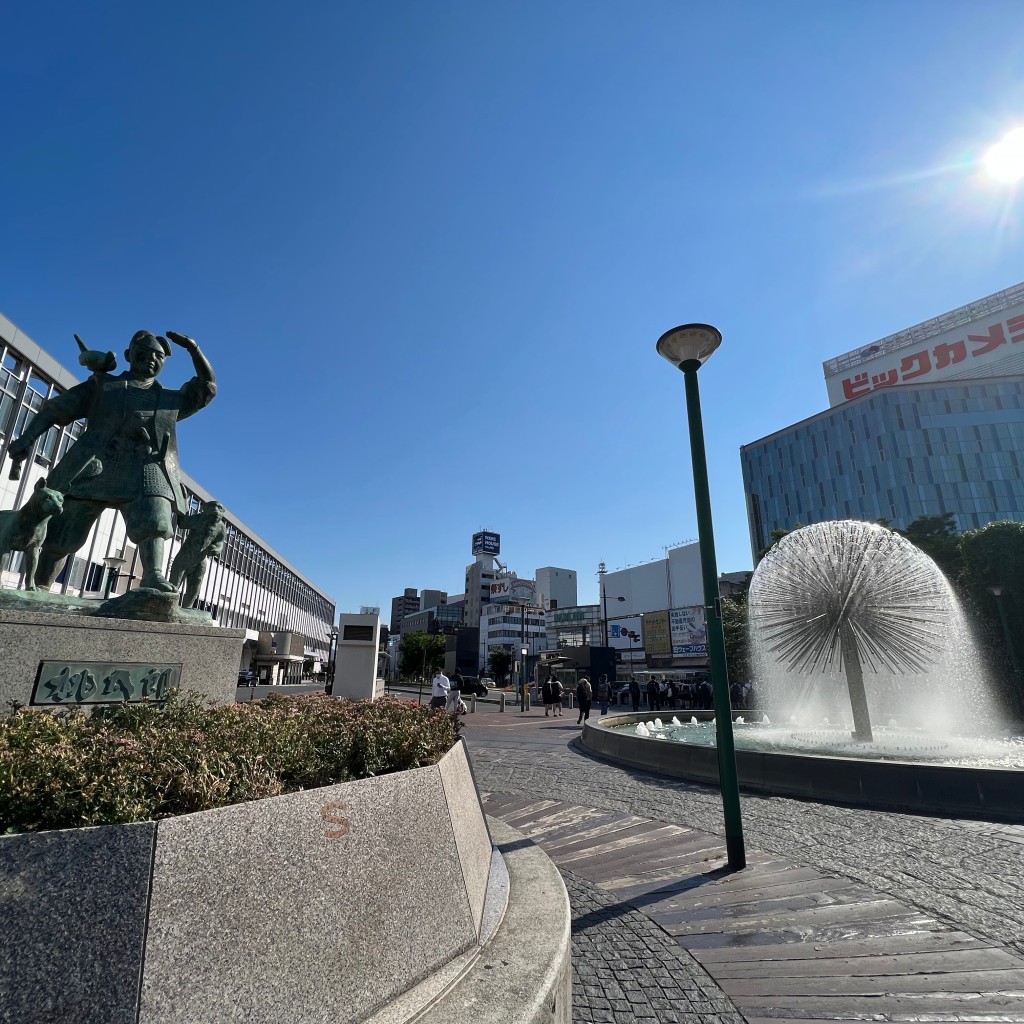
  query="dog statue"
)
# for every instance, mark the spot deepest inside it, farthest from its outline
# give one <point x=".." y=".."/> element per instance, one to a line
<point x="24" y="529"/>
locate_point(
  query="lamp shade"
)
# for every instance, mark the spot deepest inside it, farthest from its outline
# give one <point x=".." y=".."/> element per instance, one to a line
<point x="689" y="342"/>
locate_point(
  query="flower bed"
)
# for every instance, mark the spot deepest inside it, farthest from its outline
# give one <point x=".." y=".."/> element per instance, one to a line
<point x="142" y="762"/>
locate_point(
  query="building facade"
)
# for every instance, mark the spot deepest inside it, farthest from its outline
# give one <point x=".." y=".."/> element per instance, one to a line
<point x="404" y="604"/>
<point x="923" y="422"/>
<point x="556" y="588"/>
<point x="249" y="586"/>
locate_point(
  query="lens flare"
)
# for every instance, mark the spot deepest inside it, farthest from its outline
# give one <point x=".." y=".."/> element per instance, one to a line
<point x="1005" y="160"/>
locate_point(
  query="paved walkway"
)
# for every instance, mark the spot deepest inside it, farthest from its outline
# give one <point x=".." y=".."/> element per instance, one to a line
<point x="842" y="914"/>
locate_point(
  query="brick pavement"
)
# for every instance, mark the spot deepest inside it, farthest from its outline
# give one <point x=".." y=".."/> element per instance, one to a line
<point x="965" y="875"/>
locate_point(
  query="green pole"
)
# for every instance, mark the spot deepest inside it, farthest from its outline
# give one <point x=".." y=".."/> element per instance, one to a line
<point x="727" y="777"/>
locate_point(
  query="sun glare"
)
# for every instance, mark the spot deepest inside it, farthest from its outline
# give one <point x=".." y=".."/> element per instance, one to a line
<point x="1005" y="160"/>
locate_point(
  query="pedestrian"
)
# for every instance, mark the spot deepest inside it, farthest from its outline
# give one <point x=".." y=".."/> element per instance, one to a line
<point x="736" y="696"/>
<point x="556" y="695"/>
<point x="439" y="690"/>
<point x="584" y="695"/>
<point x="634" y="693"/>
<point x="652" y="695"/>
<point x="547" y="694"/>
<point x="456" y="686"/>
<point x="663" y="694"/>
<point x="604" y="693"/>
<point x="673" y="694"/>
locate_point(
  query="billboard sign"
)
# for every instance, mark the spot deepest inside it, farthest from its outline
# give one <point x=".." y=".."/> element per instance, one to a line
<point x="486" y="543"/>
<point x="619" y="629"/>
<point x="511" y="588"/>
<point x="656" y="634"/>
<point x="689" y="632"/>
<point x="971" y="350"/>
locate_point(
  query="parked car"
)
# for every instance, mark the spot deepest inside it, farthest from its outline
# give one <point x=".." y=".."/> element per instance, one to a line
<point x="247" y="678"/>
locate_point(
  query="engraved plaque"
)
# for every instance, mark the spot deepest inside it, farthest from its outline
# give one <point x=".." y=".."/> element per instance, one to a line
<point x="101" y="682"/>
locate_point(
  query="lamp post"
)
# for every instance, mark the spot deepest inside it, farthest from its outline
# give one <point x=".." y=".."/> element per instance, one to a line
<point x="687" y="348"/>
<point x="113" y="564"/>
<point x="997" y="592"/>
<point x="601" y="570"/>
<point x="332" y="640"/>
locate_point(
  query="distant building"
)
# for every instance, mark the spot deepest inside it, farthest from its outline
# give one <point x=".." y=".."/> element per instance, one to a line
<point x="556" y="588"/>
<point x="404" y="604"/>
<point x="925" y="421"/>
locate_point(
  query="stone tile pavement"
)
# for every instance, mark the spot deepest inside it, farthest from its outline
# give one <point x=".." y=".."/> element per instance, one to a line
<point x="963" y="880"/>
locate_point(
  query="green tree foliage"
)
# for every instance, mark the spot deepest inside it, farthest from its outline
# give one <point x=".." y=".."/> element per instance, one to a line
<point x="500" y="661"/>
<point x="994" y="557"/>
<point x="420" y="654"/>
<point x="937" y="537"/>
<point x="737" y="646"/>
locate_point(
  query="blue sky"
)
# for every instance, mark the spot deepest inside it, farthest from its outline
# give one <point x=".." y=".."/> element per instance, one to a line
<point x="429" y="248"/>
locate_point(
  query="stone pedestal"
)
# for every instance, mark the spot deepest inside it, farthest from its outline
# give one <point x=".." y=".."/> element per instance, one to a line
<point x="49" y="659"/>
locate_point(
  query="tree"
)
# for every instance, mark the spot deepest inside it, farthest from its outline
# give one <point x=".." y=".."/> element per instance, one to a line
<point x="993" y="557"/>
<point x="737" y="644"/>
<point x="938" y="538"/>
<point x="420" y="653"/>
<point x="500" y="661"/>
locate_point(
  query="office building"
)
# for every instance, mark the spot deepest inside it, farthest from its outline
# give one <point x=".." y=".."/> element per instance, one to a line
<point x="249" y="586"/>
<point x="404" y="604"/>
<point x="923" y="422"/>
<point x="556" y="588"/>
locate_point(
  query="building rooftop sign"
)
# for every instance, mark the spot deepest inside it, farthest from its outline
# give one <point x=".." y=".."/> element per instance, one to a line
<point x="976" y="340"/>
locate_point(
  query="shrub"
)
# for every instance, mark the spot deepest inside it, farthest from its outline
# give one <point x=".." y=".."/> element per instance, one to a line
<point x="140" y="762"/>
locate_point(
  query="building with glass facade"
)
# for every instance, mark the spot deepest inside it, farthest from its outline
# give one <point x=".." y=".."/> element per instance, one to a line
<point x="924" y="422"/>
<point x="249" y="586"/>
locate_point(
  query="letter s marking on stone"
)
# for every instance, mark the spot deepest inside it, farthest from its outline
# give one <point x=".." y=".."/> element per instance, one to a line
<point x="329" y="815"/>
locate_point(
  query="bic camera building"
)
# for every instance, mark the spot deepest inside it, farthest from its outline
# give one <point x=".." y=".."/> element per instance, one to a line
<point x="248" y="587"/>
<point x="926" y="421"/>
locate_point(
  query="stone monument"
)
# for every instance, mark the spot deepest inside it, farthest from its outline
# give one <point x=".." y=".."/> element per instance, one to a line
<point x="66" y="650"/>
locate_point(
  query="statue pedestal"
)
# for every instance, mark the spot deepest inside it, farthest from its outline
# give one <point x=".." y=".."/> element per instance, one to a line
<point x="50" y="658"/>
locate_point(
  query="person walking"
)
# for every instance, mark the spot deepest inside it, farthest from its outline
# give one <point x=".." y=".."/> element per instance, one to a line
<point x="455" y="693"/>
<point x="439" y="690"/>
<point x="604" y="693"/>
<point x="556" y="695"/>
<point x="652" y="695"/>
<point x="634" y="693"/>
<point x="547" y="694"/>
<point x="584" y="695"/>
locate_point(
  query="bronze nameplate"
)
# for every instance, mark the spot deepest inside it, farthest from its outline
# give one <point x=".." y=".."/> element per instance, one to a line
<point x="101" y="682"/>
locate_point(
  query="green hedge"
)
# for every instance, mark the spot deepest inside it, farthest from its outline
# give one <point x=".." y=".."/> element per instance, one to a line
<point x="139" y="762"/>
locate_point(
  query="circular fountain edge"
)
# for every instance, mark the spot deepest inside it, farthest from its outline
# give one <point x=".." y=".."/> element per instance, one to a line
<point x="991" y="794"/>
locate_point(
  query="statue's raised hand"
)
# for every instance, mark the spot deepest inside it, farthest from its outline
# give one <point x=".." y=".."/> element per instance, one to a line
<point x="187" y="343"/>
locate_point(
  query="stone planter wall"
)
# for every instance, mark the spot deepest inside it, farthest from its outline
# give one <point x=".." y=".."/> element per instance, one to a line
<point x="319" y="905"/>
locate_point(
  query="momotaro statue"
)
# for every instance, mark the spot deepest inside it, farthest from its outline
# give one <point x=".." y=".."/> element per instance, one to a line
<point x="206" y="536"/>
<point x="131" y="428"/>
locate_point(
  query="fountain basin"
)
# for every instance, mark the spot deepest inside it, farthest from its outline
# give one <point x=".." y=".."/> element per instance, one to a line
<point x="922" y="787"/>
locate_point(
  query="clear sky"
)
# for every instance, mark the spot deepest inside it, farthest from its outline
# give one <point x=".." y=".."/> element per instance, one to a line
<point x="429" y="247"/>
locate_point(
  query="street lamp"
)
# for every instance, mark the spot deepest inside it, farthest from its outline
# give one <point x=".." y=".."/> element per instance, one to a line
<point x="601" y="570"/>
<point x="113" y="564"/>
<point x="332" y="640"/>
<point x="687" y="348"/>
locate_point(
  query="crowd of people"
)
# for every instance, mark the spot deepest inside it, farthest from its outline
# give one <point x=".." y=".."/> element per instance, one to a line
<point x="662" y="694"/>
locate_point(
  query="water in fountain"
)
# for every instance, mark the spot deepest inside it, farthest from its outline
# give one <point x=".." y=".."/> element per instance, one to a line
<point x="850" y="621"/>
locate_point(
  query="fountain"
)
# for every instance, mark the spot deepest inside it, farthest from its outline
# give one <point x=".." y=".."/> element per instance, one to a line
<point x="852" y="606"/>
<point x="864" y="661"/>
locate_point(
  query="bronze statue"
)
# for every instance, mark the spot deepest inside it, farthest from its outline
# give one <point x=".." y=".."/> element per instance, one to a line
<point x="131" y="429"/>
<point x="206" y="537"/>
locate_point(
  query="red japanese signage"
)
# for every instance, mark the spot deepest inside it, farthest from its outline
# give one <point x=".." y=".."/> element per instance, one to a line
<point x="933" y="360"/>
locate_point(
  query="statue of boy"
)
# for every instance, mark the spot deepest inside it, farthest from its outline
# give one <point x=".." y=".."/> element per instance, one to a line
<point x="207" y="532"/>
<point x="131" y="428"/>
